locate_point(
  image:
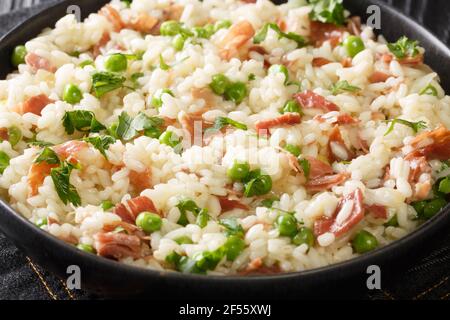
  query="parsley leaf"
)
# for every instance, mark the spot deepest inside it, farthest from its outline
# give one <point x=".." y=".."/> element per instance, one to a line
<point x="340" y="86"/>
<point x="47" y="155"/>
<point x="128" y="128"/>
<point x="40" y="144"/>
<point x="415" y="126"/>
<point x="4" y="161"/>
<point x="429" y="90"/>
<point x="404" y="48"/>
<point x="225" y="121"/>
<point x="101" y="143"/>
<point x="327" y="11"/>
<point x="262" y="34"/>
<point x="81" y="120"/>
<point x="104" y="82"/>
<point x="232" y="227"/>
<point x="61" y="179"/>
<point x="184" y="206"/>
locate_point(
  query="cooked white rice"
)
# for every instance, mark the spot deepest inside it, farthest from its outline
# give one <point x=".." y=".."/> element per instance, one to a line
<point x="199" y="172"/>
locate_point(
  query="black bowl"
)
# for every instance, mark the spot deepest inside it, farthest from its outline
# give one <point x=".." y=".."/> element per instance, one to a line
<point x="111" y="278"/>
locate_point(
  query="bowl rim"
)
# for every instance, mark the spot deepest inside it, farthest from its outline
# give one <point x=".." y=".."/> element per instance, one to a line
<point x="437" y="222"/>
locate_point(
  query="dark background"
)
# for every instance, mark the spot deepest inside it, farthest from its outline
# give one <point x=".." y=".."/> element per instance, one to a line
<point x="21" y="278"/>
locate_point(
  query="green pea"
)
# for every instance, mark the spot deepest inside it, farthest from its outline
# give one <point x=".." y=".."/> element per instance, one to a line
<point x="364" y="242"/>
<point x="116" y="62"/>
<point x="208" y="260"/>
<point x="233" y="247"/>
<point x="4" y="161"/>
<point x="279" y="68"/>
<point x="183" y="240"/>
<point x="258" y="186"/>
<point x="392" y="222"/>
<point x="444" y="185"/>
<point x="291" y="106"/>
<point x="156" y="99"/>
<point x="72" y="94"/>
<point x="170" y="28"/>
<point x="14" y="135"/>
<point x="169" y="138"/>
<point x="41" y="222"/>
<point x="419" y="206"/>
<point x="86" y="248"/>
<point x="173" y="258"/>
<point x="354" y="45"/>
<point x="204" y="32"/>
<point x="295" y="150"/>
<point x="433" y="207"/>
<point x="187" y="265"/>
<point x="287" y="225"/>
<point x="236" y="92"/>
<point x="106" y="205"/>
<point x="304" y="236"/>
<point x="222" y="24"/>
<point x="202" y="218"/>
<point x="18" y="55"/>
<point x="178" y="42"/>
<point x="239" y="171"/>
<point x="149" y="222"/>
<point x="219" y="84"/>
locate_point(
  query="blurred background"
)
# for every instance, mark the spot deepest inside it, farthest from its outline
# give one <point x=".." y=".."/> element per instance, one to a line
<point x="21" y="278"/>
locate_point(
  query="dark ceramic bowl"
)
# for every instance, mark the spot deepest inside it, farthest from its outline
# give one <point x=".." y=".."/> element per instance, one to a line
<point x="113" y="279"/>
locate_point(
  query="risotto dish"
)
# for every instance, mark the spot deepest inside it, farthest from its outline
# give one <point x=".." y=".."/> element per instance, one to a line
<point x="223" y="137"/>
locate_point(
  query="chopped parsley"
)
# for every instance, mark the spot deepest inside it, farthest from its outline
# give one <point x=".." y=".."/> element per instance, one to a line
<point x="48" y="155"/>
<point x="81" y="120"/>
<point x="415" y="126"/>
<point x="429" y="90"/>
<point x="222" y="122"/>
<point x="128" y="128"/>
<point x="341" y="86"/>
<point x="104" y="82"/>
<point x="162" y="64"/>
<point x="262" y="34"/>
<point x="101" y="143"/>
<point x="327" y="11"/>
<point x="232" y="227"/>
<point x="404" y="48"/>
<point x="306" y="167"/>
<point x="61" y="179"/>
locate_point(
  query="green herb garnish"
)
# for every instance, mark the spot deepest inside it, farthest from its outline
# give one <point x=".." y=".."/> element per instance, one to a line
<point x="415" y="126"/>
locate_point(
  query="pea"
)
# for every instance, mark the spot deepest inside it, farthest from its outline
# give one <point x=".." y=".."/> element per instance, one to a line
<point x="4" y="161"/>
<point x="86" y="248"/>
<point x="295" y="150"/>
<point x="170" y="28"/>
<point x="202" y="218"/>
<point x="116" y="62"/>
<point x="173" y="258"/>
<point x="238" y="171"/>
<point x="156" y="99"/>
<point x="258" y="186"/>
<point x="291" y="106"/>
<point x="169" y="138"/>
<point x="149" y="222"/>
<point x="304" y="236"/>
<point x="354" y="45"/>
<point x="419" y="206"/>
<point x="219" y="84"/>
<point x="41" y="222"/>
<point x="206" y="32"/>
<point x="18" y="55"/>
<point x="72" y="94"/>
<point x="444" y="185"/>
<point x="287" y="225"/>
<point x="106" y="205"/>
<point x="392" y="222"/>
<point x="236" y="92"/>
<point x="14" y="135"/>
<point x="364" y="242"/>
<point x="187" y="265"/>
<point x="433" y="207"/>
<point x="222" y="24"/>
<point x="183" y="240"/>
<point x="279" y="68"/>
<point x="178" y="42"/>
<point x="233" y="247"/>
<point x="208" y="260"/>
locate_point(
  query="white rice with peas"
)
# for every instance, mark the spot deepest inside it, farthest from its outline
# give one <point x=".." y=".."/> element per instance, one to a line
<point x="223" y="137"/>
